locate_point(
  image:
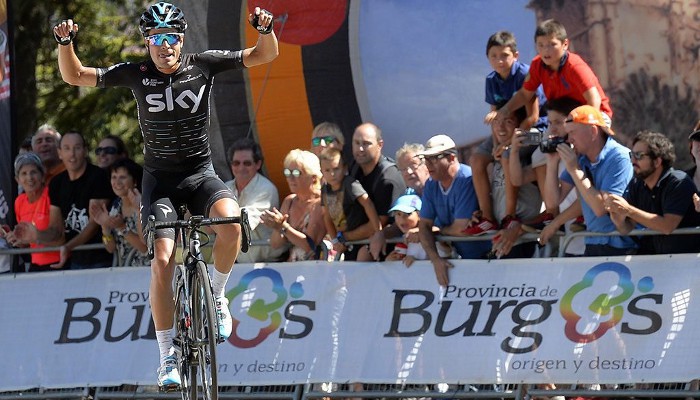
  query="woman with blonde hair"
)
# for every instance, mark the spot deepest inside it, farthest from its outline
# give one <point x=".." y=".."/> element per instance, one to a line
<point x="298" y="224"/>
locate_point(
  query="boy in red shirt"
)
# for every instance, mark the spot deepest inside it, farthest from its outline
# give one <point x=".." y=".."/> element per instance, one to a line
<point x="560" y="72"/>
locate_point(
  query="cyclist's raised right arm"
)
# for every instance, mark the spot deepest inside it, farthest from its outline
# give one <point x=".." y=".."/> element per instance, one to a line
<point x="72" y="70"/>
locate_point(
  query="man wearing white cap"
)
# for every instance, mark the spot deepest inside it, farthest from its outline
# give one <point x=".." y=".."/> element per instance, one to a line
<point x="449" y="198"/>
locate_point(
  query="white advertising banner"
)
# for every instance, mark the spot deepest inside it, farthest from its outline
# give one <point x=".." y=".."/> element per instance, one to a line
<point x="568" y="320"/>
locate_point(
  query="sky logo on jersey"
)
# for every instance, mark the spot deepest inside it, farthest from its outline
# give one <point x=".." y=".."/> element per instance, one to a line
<point x="165" y="101"/>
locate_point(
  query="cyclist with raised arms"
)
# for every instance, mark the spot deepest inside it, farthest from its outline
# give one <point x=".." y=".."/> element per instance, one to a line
<point x="172" y="93"/>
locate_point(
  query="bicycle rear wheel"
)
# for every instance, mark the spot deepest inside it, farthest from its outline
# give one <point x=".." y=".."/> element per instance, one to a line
<point x="204" y="329"/>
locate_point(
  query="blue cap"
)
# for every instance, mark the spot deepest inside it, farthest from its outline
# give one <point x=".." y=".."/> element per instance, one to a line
<point x="407" y="203"/>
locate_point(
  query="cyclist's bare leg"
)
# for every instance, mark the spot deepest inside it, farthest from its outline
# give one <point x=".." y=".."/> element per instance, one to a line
<point x="162" y="309"/>
<point x="161" y="288"/>
<point x="228" y="236"/>
<point x="225" y="251"/>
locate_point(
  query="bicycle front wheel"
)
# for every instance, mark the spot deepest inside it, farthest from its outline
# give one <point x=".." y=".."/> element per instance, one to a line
<point x="205" y="328"/>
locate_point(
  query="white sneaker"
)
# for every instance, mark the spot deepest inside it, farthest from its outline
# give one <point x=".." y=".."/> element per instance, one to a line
<point x="168" y="375"/>
<point x="223" y="316"/>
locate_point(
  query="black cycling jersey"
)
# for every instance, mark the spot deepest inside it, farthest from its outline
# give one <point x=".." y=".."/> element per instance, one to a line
<point x="173" y="110"/>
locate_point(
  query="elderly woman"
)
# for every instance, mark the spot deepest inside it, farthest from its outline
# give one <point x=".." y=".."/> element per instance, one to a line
<point x="33" y="206"/>
<point x="298" y="224"/>
<point x="121" y="231"/>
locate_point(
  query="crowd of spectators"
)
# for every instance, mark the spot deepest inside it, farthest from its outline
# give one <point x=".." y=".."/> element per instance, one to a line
<point x="575" y="175"/>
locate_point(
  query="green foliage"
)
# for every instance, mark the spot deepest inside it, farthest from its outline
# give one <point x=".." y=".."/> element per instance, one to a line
<point x="108" y="35"/>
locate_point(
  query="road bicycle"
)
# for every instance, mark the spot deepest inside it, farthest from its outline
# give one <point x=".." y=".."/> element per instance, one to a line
<point x="195" y="319"/>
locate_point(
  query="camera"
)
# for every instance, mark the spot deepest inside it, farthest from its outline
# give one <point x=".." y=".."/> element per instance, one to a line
<point x="550" y="144"/>
<point x="533" y="137"/>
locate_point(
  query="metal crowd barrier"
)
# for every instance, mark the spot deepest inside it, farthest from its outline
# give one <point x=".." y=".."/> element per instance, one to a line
<point x="564" y="241"/>
<point x="675" y="390"/>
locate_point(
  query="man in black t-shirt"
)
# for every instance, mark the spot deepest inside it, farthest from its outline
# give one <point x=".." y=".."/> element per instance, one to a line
<point x="378" y="174"/>
<point x="172" y="90"/>
<point x="71" y="192"/>
<point x="659" y="198"/>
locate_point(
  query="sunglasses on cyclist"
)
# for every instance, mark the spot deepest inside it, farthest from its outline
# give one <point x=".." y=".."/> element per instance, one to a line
<point x="246" y="163"/>
<point x="291" y="172"/>
<point x="159" y="38"/>
<point x="111" y="150"/>
<point x="317" y="140"/>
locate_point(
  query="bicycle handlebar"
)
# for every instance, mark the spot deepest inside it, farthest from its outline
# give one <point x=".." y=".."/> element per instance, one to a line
<point x="194" y="222"/>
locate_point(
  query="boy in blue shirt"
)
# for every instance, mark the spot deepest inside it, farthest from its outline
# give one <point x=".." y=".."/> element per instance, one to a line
<point x="502" y="83"/>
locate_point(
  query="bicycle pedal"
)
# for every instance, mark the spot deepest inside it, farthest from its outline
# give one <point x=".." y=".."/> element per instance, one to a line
<point x="170" y="388"/>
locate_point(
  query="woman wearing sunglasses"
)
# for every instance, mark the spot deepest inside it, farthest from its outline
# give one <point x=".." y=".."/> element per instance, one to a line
<point x="172" y="91"/>
<point x="325" y="135"/>
<point x="110" y="149"/>
<point x="298" y="224"/>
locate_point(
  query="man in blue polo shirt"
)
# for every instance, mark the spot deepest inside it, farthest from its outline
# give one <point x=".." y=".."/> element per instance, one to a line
<point x="596" y="165"/>
<point x="449" y="198"/>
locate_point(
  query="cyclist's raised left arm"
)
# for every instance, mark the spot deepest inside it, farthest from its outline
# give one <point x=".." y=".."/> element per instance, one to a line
<point x="266" y="49"/>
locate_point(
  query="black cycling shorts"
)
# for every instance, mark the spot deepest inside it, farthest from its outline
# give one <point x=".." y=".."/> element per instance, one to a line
<point x="164" y="192"/>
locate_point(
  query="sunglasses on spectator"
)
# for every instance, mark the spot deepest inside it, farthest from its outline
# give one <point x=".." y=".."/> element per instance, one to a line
<point x="291" y="172"/>
<point x="111" y="150"/>
<point x="638" y="155"/>
<point x="159" y="38"/>
<point x="246" y="163"/>
<point x="317" y="140"/>
<point x="435" y="158"/>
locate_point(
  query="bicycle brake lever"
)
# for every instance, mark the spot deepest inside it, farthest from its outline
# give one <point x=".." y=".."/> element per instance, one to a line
<point x="245" y="230"/>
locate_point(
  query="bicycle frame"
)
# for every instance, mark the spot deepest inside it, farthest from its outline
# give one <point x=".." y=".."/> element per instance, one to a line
<point x="195" y="313"/>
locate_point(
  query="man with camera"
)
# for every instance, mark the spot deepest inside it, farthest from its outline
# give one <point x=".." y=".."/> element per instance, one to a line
<point x="508" y="242"/>
<point x="596" y="165"/>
